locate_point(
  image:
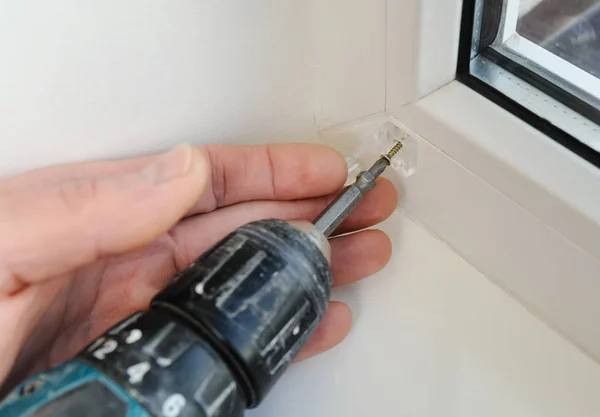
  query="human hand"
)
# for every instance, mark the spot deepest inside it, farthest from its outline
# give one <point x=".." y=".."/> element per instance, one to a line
<point x="85" y="245"/>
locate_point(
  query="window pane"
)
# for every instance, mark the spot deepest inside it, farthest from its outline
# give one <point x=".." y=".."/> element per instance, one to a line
<point x="569" y="29"/>
<point x="540" y="60"/>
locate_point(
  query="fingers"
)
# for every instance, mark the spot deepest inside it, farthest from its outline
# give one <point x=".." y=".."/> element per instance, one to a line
<point x="334" y="327"/>
<point x="237" y="173"/>
<point x="359" y="255"/>
<point x="197" y="234"/>
<point x="51" y="231"/>
<point x="377" y="205"/>
<point x="271" y="172"/>
<point x="353" y="257"/>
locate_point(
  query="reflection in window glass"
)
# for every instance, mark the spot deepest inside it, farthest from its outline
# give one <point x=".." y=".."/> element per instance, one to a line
<point x="569" y="29"/>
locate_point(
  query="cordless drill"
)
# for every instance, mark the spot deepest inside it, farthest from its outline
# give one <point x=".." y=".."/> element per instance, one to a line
<point x="217" y="338"/>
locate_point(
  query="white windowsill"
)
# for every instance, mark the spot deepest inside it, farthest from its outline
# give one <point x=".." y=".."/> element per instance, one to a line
<point x="515" y="204"/>
<point x="434" y="335"/>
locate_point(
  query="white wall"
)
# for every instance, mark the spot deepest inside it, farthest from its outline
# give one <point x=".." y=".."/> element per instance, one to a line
<point x="422" y="48"/>
<point x="93" y="79"/>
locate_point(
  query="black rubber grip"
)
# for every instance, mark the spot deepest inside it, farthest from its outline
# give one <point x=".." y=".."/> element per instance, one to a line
<point x="220" y="335"/>
<point x="257" y="296"/>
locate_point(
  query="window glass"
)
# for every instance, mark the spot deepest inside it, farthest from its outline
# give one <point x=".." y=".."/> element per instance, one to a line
<point x="540" y="60"/>
<point x="569" y="29"/>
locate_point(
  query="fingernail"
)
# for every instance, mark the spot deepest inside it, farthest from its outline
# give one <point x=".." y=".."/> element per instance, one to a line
<point x="169" y="166"/>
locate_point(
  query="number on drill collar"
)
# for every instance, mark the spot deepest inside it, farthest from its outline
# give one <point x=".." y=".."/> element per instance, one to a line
<point x="109" y="346"/>
<point x="136" y="372"/>
<point x="133" y="336"/>
<point x="173" y="405"/>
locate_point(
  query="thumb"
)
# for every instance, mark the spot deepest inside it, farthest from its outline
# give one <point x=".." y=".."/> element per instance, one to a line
<point x="50" y="231"/>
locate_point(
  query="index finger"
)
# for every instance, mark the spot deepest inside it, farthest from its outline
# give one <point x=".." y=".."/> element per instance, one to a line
<point x="270" y="172"/>
<point x="238" y="173"/>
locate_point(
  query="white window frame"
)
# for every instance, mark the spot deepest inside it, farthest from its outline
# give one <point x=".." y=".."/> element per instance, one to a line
<point x="510" y="18"/>
<point x="552" y="195"/>
<point x="577" y="81"/>
<point x="558" y="66"/>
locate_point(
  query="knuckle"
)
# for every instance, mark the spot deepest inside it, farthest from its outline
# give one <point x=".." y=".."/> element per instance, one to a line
<point x="271" y="170"/>
<point x="218" y="177"/>
<point x="76" y="196"/>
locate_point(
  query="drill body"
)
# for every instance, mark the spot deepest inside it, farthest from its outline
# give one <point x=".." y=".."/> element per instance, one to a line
<point x="212" y="343"/>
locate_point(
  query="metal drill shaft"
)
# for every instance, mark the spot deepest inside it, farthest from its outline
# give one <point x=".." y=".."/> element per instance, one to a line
<point x="346" y="202"/>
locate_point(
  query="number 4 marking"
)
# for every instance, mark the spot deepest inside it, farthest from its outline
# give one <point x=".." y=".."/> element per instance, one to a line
<point x="136" y="372"/>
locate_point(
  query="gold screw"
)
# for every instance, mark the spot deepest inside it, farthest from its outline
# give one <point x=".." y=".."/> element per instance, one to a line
<point x="393" y="152"/>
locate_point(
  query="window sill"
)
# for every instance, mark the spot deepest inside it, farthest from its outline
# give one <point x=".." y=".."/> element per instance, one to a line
<point x="517" y="205"/>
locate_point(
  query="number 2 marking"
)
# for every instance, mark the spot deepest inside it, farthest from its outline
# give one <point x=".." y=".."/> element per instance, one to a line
<point x="173" y="405"/>
<point x="109" y="346"/>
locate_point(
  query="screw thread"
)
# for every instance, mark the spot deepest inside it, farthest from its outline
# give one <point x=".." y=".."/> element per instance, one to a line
<point x="394" y="151"/>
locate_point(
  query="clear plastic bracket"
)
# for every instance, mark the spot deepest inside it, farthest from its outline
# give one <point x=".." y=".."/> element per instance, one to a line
<point x="386" y="137"/>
